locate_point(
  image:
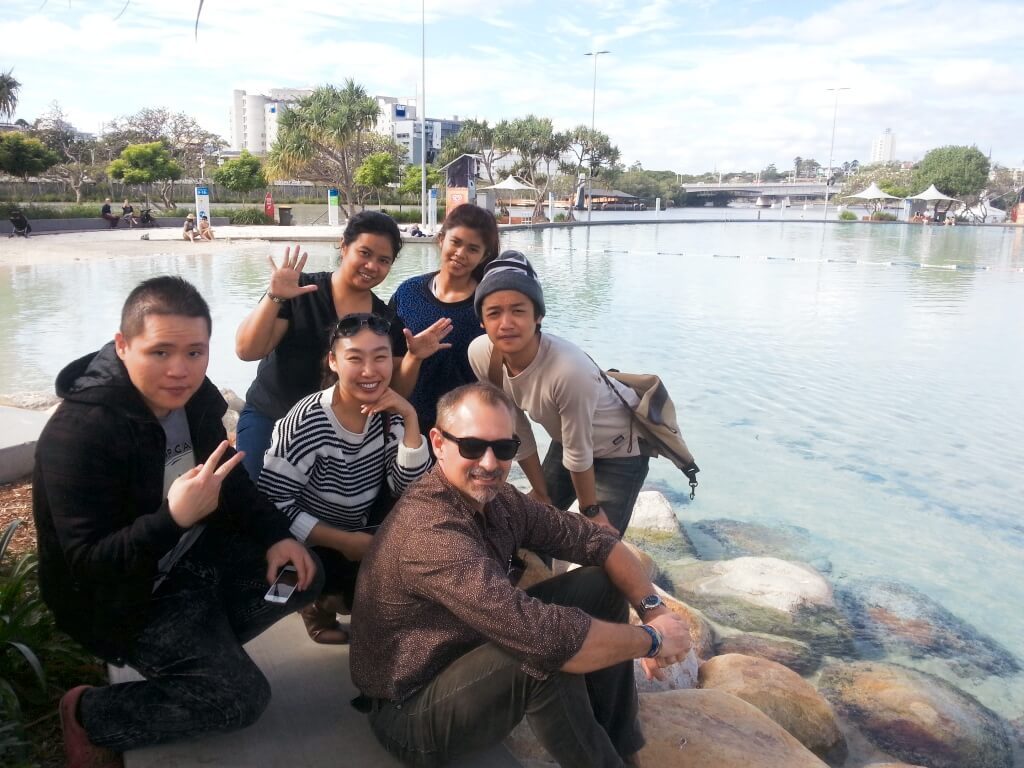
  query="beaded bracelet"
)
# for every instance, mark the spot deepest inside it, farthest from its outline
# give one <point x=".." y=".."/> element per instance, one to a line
<point x="655" y="640"/>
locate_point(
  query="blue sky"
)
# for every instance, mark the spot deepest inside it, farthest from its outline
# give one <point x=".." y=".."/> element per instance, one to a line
<point x="688" y="86"/>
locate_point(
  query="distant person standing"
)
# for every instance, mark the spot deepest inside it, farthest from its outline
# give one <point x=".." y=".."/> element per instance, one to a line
<point x="108" y="214"/>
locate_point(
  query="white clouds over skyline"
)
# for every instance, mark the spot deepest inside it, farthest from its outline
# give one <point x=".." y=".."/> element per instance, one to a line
<point x="689" y="86"/>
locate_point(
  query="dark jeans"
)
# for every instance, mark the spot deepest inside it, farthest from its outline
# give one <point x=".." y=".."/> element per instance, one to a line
<point x="252" y="435"/>
<point x="618" y="482"/>
<point x="198" y="677"/>
<point x="339" y="574"/>
<point x="589" y="721"/>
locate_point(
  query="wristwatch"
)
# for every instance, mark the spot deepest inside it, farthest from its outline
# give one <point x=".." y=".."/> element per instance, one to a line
<point x="592" y="511"/>
<point x="649" y="603"/>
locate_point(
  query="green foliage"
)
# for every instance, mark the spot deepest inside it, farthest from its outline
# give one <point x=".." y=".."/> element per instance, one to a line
<point x="241" y="174"/>
<point x="411" y="180"/>
<point x="37" y="212"/>
<point x="959" y="172"/>
<point x="592" y="151"/>
<point x="412" y="215"/>
<point x="377" y="171"/>
<point x="475" y="137"/>
<point x="9" y="88"/>
<point x="24" y="156"/>
<point x="847" y="216"/>
<point x="883" y="216"/>
<point x="248" y="216"/>
<point x="894" y="188"/>
<point x="325" y="137"/>
<point x="561" y="217"/>
<point x="144" y="164"/>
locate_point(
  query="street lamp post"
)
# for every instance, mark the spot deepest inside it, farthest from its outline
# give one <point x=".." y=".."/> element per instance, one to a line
<point x="832" y="145"/>
<point x="593" y="113"/>
<point x="423" y="113"/>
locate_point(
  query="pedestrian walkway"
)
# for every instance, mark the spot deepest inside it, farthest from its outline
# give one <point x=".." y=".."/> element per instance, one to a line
<point x="309" y="723"/>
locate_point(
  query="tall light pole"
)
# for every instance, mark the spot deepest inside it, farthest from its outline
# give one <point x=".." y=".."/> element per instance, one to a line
<point x="832" y="145"/>
<point x="423" y="113"/>
<point x="593" y="114"/>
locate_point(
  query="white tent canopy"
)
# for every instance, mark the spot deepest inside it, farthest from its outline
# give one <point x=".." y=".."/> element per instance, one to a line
<point x="874" y="193"/>
<point x="511" y="184"/>
<point x="931" y="194"/>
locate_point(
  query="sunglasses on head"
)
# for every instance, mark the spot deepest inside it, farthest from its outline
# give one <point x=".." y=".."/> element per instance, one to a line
<point x="352" y="324"/>
<point x="475" y="448"/>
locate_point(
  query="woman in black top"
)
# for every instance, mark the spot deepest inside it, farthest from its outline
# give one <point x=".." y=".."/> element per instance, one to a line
<point x="289" y="328"/>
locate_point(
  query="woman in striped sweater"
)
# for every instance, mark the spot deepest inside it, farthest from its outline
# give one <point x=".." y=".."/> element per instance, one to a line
<point x="339" y="455"/>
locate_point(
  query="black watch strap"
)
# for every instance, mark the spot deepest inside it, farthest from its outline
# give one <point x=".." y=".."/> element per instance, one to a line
<point x="592" y="511"/>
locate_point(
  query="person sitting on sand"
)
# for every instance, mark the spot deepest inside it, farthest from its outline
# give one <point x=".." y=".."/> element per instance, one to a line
<point x="155" y="548"/>
<point x="106" y="213"/>
<point x="189" y="231"/>
<point x="452" y="653"/>
<point x="339" y="458"/>
<point x="205" y="230"/>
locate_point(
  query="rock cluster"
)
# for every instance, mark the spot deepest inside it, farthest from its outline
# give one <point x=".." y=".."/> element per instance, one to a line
<point x="762" y="617"/>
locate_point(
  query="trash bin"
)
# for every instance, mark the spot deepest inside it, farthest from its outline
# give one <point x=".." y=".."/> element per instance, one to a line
<point x="285" y="214"/>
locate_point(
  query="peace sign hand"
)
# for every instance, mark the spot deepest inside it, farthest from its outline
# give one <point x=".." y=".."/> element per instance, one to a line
<point x="195" y="494"/>
<point x="284" y="280"/>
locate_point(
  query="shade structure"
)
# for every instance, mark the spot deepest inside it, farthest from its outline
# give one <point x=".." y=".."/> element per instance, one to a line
<point x="511" y="185"/>
<point x="874" y="193"/>
<point x="931" y="194"/>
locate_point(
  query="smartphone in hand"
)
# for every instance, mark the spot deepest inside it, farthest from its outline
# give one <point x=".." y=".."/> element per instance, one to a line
<point x="283" y="585"/>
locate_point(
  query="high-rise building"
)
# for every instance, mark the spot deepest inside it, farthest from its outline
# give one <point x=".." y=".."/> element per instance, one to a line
<point x="883" y="149"/>
<point x="254" y="117"/>
<point x="400" y="121"/>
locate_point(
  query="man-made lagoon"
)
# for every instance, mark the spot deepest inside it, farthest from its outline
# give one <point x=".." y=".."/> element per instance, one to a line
<point x="861" y="382"/>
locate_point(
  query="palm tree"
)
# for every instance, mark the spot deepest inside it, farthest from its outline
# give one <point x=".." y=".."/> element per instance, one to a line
<point x="9" y="88"/>
<point x="325" y="137"/>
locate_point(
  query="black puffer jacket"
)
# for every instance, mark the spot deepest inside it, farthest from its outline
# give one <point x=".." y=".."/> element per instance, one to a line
<point x="102" y="520"/>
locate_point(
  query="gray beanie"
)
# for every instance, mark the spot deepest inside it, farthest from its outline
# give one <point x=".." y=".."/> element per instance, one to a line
<point x="511" y="271"/>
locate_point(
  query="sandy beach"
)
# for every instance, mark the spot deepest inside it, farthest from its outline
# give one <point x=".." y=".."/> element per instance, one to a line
<point x="128" y="243"/>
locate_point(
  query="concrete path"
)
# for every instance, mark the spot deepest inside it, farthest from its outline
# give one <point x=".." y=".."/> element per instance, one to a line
<point x="309" y="723"/>
<point x="19" y="430"/>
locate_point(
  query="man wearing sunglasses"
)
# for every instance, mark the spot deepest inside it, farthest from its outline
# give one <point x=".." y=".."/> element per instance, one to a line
<point x="452" y="654"/>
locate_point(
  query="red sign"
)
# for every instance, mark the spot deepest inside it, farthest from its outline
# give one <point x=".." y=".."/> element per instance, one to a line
<point x="268" y="205"/>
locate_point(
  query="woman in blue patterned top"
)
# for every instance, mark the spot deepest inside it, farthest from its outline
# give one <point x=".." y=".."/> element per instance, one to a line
<point x="468" y="241"/>
<point x="336" y="453"/>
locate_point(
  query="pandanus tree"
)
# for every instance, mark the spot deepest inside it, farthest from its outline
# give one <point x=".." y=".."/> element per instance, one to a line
<point x="325" y="137"/>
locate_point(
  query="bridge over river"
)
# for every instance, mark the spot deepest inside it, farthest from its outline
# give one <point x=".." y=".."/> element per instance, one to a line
<point x="768" y="191"/>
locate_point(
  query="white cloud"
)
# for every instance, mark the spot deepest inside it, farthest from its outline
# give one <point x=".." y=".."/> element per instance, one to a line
<point x="688" y="84"/>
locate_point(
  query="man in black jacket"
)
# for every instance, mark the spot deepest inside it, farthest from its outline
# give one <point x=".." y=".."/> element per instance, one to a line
<point x="155" y="548"/>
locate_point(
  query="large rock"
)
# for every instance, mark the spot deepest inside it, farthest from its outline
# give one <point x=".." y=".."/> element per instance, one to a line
<point x="917" y="717"/>
<point x="678" y="677"/>
<point x="781" y="694"/>
<point x="723" y="539"/>
<point x="713" y="729"/>
<point x="702" y="637"/>
<point x="765" y="594"/>
<point x="650" y="567"/>
<point x="795" y="654"/>
<point x="655" y="529"/>
<point x="32" y="401"/>
<point x="890" y="617"/>
<point x="536" y="571"/>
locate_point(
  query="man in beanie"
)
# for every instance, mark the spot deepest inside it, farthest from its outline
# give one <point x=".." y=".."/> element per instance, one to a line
<point x="594" y="456"/>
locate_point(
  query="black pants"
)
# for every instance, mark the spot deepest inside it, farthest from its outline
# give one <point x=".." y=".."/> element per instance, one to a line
<point x="198" y="677"/>
<point x="589" y="721"/>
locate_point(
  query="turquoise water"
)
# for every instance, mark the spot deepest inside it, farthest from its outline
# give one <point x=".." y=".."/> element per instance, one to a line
<point x="863" y="382"/>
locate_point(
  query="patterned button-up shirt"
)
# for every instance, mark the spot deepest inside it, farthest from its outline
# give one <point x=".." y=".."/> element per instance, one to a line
<point x="439" y="581"/>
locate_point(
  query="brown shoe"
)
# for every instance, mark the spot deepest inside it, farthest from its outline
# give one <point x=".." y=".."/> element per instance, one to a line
<point x="81" y="752"/>
<point x="322" y="624"/>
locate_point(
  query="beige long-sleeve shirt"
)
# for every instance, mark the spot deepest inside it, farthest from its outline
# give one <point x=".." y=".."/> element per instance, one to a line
<point x="562" y="390"/>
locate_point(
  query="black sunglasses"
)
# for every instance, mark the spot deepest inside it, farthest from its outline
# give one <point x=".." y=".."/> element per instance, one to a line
<point x="352" y="324"/>
<point x="475" y="448"/>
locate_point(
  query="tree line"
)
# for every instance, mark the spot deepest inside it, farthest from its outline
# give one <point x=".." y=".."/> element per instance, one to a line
<point x="328" y="137"/>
